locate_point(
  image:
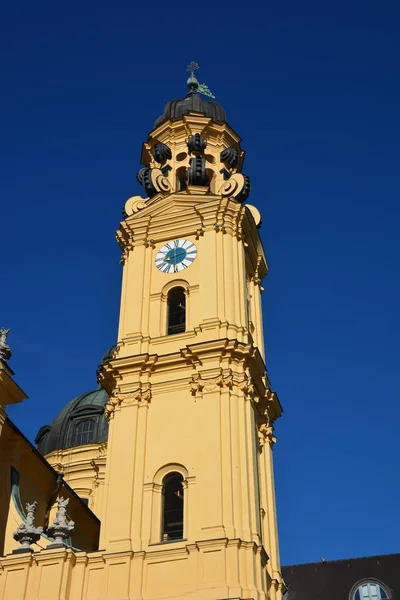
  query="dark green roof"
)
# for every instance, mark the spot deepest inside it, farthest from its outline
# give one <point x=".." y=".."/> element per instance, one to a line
<point x="62" y="433"/>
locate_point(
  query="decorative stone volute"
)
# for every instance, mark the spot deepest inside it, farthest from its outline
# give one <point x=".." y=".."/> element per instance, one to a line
<point x="196" y="144"/>
<point x="161" y="153"/>
<point x="230" y="156"/>
<point x="191" y="150"/>
<point x="27" y="533"/>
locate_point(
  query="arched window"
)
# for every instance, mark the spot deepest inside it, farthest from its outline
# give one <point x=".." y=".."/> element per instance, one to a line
<point x="370" y="590"/>
<point x="172" y="525"/>
<point x="84" y="432"/>
<point x="181" y="179"/>
<point x="176" y="314"/>
<point x="211" y="180"/>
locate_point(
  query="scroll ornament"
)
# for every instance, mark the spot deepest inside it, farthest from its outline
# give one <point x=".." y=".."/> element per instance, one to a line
<point x="161" y="153"/>
<point x="197" y="173"/>
<point x="133" y="205"/>
<point x="230" y="156"/>
<point x="196" y="144"/>
<point x="153" y="181"/>
<point x="238" y="186"/>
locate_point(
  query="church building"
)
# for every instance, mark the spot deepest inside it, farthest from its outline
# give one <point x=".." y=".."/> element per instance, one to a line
<point x="159" y="483"/>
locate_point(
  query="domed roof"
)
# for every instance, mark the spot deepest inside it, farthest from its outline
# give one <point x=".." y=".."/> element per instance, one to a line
<point x="192" y="102"/>
<point x="80" y="422"/>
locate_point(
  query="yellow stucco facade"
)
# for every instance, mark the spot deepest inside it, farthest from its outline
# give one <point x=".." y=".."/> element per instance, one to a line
<point x="84" y="470"/>
<point x="195" y="403"/>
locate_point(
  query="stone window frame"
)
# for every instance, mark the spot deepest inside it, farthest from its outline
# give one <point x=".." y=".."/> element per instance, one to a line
<point x="176" y="283"/>
<point x="156" y="489"/>
<point x="75" y="418"/>
<point x="369" y="580"/>
<point x="91" y="431"/>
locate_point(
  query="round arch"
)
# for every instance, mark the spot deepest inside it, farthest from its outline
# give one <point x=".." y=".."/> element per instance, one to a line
<point x="372" y="586"/>
<point x="182" y="283"/>
<point x="169" y="468"/>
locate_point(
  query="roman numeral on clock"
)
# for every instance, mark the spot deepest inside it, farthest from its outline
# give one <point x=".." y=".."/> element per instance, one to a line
<point x="175" y="256"/>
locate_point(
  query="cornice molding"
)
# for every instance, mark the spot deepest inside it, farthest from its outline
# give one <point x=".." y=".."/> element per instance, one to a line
<point x="197" y="215"/>
<point x="240" y="365"/>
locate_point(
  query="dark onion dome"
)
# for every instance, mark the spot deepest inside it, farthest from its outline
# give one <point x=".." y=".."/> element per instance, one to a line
<point x="175" y="109"/>
<point x="107" y="356"/>
<point x="81" y="422"/>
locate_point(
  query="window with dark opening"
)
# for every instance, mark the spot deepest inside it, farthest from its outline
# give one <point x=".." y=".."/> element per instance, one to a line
<point x="172" y="527"/>
<point x="84" y="432"/>
<point x="211" y="179"/>
<point x="370" y="590"/>
<point x="176" y="311"/>
<point x="181" y="179"/>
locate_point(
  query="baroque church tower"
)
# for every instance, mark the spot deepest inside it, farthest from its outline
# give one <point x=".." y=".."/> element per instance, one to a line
<point x="189" y="487"/>
<point x="159" y="484"/>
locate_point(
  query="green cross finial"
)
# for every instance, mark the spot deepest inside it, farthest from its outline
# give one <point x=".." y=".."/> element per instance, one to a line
<point x="193" y="84"/>
<point x="192" y="67"/>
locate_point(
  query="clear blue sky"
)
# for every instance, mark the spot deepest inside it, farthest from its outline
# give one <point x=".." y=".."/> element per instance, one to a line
<point x="313" y="89"/>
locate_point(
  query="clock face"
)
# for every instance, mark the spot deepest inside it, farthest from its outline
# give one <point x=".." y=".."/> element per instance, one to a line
<point x="175" y="256"/>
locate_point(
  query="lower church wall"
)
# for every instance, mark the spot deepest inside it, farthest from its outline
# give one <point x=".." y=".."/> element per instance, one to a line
<point x="216" y="569"/>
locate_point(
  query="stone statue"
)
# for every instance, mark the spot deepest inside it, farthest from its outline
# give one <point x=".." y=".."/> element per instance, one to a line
<point x="27" y="533"/>
<point x="61" y="528"/>
<point x="5" y="350"/>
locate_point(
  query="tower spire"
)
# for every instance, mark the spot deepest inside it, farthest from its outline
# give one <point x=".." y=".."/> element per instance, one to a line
<point x="194" y="86"/>
<point x="192" y="82"/>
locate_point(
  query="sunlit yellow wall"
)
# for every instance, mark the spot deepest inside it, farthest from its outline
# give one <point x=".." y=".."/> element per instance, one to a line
<point x="198" y="403"/>
<point x="84" y="471"/>
<point x="36" y="481"/>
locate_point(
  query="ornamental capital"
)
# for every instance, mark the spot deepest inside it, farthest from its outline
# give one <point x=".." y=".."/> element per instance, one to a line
<point x="256" y="279"/>
<point x="266" y="434"/>
<point x="247" y="386"/>
<point x="221" y="380"/>
<point x="139" y="396"/>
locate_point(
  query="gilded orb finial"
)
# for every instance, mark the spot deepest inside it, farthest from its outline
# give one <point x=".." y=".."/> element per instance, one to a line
<point x="193" y="84"/>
